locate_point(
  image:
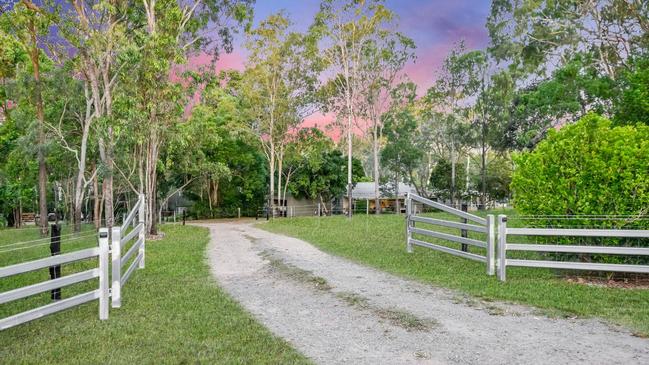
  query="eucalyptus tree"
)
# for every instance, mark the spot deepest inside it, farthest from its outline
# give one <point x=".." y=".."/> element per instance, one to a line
<point x="29" y="24"/>
<point x="346" y="29"/>
<point x="566" y="58"/>
<point x="539" y="35"/>
<point x="400" y="155"/>
<point x="386" y="55"/>
<point x="279" y="82"/>
<point x="453" y="94"/>
<point x="164" y="34"/>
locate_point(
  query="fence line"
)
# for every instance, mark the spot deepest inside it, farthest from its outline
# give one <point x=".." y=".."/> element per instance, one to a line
<point x="101" y="293"/>
<point x="47" y="243"/>
<point x="105" y="289"/>
<point x="504" y="246"/>
<point x="118" y="241"/>
<point x="485" y="226"/>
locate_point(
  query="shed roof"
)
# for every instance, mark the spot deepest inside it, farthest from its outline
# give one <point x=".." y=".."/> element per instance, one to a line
<point x="365" y="190"/>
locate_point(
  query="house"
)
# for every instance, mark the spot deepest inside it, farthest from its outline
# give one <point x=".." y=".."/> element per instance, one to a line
<point x="364" y="199"/>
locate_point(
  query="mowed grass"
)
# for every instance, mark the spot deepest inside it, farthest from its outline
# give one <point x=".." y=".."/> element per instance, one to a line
<point x="379" y="241"/>
<point x="172" y="312"/>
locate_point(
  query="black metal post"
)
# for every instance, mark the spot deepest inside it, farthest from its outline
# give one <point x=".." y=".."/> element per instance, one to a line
<point x="184" y="217"/>
<point x="55" y="249"/>
<point x="464" y="232"/>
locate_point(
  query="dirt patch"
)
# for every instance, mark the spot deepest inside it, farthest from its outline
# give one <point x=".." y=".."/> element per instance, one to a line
<point x="623" y="283"/>
<point x="397" y="317"/>
<point x="295" y="273"/>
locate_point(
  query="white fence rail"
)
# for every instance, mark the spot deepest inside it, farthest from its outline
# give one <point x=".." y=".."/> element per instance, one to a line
<point x="121" y="240"/>
<point x="504" y="246"/>
<point x="482" y="225"/>
<point x="101" y="293"/>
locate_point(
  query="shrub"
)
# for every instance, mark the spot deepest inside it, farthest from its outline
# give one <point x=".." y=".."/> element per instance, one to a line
<point x="589" y="169"/>
<point x="585" y="168"/>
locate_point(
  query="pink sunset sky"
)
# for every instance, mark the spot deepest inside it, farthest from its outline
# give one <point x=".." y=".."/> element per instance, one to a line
<point x="434" y="25"/>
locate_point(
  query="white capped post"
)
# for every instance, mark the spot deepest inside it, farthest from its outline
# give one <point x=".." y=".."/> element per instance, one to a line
<point x="142" y="221"/>
<point x="408" y="223"/>
<point x="491" y="244"/>
<point x="116" y="258"/>
<point x="502" y="247"/>
<point x="103" y="274"/>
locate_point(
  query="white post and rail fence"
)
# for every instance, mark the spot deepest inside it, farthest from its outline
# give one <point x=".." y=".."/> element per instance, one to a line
<point x="486" y="246"/>
<point x="108" y="287"/>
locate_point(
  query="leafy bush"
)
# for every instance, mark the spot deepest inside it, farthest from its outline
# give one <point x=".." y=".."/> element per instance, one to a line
<point x="587" y="168"/>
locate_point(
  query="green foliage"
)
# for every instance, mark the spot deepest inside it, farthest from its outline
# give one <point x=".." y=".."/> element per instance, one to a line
<point x="633" y="105"/>
<point x="572" y="91"/>
<point x="400" y="156"/>
<point x="440" y="178"/>
<point x="589" y="167"/>
<point x="320" y="170"/>
<point x="217" y="156"/>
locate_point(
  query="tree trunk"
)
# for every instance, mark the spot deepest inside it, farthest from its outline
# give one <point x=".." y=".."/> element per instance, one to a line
<point x="151" y="171"/>
<point x="97" y="203"/>
<point x="106" y="153"/>
<point x="375" y="150"/>
<point x="396" y="193"/>
<point x="349" y="165"/>
<point x="279" y="181"/>
<point x="271" y="204"/>
<point x="40" y="115"/>
<point x="483" y="174"/>
<point x="453" y="163"/>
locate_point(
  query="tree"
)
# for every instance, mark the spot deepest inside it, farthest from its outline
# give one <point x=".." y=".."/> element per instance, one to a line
<point x="536" y="35"/>
<point x="386" y="54"/>
<point x="323" y="177"/>
<point x="168" y="32"/>
<point x="29" y="23"/>
<point x="459" y="82"/>
<point x="346" y="29"/>
<point x="214" y="155"/>
<point x="279" y="83"/>
<point x="400" y="155"/>
<point x="566" y="58"/>
<point x="632" y="105"/>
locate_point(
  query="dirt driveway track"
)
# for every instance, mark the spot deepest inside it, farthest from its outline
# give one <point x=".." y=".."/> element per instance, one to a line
<point x="338" y="312"/>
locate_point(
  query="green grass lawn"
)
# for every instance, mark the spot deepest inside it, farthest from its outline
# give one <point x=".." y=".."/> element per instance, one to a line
<point x="379" y="241"/>
<point x="172" y="312"/>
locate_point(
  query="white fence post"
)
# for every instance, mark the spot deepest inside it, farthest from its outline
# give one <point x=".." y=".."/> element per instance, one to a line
<point x="491" y="244"/>
<point x="142" y="221"/>
<point x="408" y="231"/>
<point x="116" y="258"/>
<point x="103" y="274"/>
<point x="502" y="247"/>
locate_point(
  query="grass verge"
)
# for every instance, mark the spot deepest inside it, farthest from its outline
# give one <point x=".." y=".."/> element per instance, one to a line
<point x="172" y="312"/>
<point x="379" y="241"/>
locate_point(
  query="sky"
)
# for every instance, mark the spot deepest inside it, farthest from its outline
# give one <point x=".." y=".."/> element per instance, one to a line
<point x="435" y="26"/>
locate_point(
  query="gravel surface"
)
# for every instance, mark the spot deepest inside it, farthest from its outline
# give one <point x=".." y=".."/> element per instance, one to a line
<point x="338" y="312"/>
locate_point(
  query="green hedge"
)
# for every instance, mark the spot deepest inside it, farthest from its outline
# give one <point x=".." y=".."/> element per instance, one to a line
<point x="587" y="168"/>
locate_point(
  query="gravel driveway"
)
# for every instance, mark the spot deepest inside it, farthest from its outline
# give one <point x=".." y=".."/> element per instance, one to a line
<point x="338" y="312"/>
